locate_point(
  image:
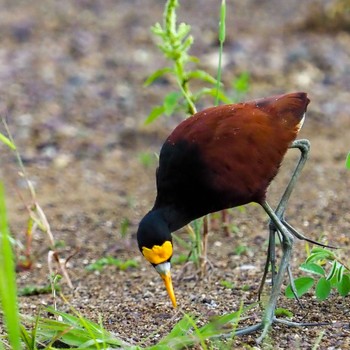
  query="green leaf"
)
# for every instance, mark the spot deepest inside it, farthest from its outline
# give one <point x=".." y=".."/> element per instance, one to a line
<point x="344" y="286"/>
<point x="155" y="113"/>
<point x="280" y="311"/>
<point x="157" y="29"/>
<point x="186" y="44"/>
<point x="340" y="272"/>
<point x="201" y="75"/>
<point x="323" y="288"/>
<point x="170" y="102"/>
<point x="241" y="84"/>
<point x="302" y="285"/>
<point x="212" y="92"/>
<point x="323" y="251"/>
<point x="193" y="59"/>
<point x="313" y="268"/>
<point x="6" y="141"/>
<point x="334" y="270"/>
<point x="347" y="163"/>
<point x="183" y="30"/>
<point x="156" y="75"/>
<point x="320" y="254"/>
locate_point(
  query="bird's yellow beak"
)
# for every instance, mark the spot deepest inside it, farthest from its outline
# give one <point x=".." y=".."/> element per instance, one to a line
<point x="169" y="287"/>
<point x="164" y="271"/>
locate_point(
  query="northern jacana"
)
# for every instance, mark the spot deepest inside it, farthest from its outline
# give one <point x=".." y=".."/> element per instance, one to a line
<point x="219" y="158"/>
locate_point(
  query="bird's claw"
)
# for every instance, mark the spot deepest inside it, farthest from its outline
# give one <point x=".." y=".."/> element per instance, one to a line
<point x="267" y="325"/>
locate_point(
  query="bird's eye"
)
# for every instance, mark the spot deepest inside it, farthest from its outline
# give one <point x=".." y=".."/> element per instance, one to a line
<point x="158" y="253"/>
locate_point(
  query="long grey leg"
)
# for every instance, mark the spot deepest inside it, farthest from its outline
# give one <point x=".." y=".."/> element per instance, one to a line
<point x="287" y="245"/>
<point x="269" y="312"/>
<point x="304" y="147"/>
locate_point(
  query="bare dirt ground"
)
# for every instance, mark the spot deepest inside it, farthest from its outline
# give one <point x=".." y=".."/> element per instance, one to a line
<point x="71" y="86"/>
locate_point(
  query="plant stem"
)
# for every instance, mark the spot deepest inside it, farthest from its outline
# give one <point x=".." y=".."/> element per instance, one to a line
<point x="183" y="85"/>
<point x="222" y="34"/>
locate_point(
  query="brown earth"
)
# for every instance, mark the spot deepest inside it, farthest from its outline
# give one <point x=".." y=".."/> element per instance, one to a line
<point x="71" y="86"/>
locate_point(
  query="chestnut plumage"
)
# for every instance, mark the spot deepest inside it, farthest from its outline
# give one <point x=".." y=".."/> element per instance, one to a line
<point x="219" y="158"/>
<point x="226" y="156"/>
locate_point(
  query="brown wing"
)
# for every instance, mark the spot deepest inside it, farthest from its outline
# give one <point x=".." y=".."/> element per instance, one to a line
<point x="242" y="145"/>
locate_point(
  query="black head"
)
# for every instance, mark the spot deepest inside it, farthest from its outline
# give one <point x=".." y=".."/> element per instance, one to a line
<point x="155" y="243"/>
<point x="153" y="230"/>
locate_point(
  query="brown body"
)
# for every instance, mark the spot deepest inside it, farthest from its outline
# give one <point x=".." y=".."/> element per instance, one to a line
<point x="227" y="156"/>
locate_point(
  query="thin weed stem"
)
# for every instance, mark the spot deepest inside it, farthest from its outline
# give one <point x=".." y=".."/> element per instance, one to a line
<point x="222" y="35"/>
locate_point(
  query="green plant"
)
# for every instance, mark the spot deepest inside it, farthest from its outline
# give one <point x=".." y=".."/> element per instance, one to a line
<point x="245" y="287"/>
<point x="8" y="288"/>
<point x="175" y="43"/>
<point x="147" y="159"/>
<point x="6" y="141"/>
<point x="45" y="333"/>
<point x="70" y="331"/>
<point x="36" y="290"/>
<point x="36" y="219"/>
<point x="337" y="277"/>
<point x="186" y="332"/>
<point x="195" y="231"/>
<point x="282" y="312"/>
<point x="75" y="331"/>
<point x="347" y="162"/>
<point x="109" y="260"/>
<point x="227" y="284"/>
<point x="179" y="259"/>
<point x="241" y="249"/>
<point x="124" y="227"/>
<point x="195" y="245"/>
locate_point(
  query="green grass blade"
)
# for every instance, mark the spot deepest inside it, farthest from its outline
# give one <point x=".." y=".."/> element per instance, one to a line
<point x="347" y="163"/>
<point x="318" y="340"/>
<point x="200" y="337"/>
<point x="178" y="338"/>
<point x="77" y="331"/>
<point x="5" y="140"/>
<point x="216" y="327"/>
<point x="8" y="289"/>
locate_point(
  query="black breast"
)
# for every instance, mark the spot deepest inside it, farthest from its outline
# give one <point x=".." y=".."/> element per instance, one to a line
<point x="184" y="182"/>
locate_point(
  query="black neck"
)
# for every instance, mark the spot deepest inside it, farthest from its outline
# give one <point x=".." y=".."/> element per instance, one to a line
<point x="174" y="218"/>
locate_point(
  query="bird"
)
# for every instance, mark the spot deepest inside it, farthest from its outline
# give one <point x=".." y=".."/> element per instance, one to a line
<point x="223" y="157"/>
